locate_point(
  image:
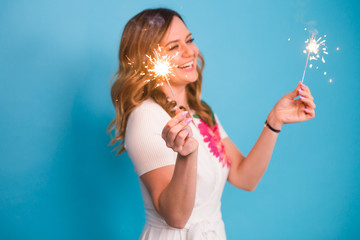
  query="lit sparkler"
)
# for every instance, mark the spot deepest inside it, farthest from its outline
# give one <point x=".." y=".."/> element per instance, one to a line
<point x="313" y="50"/>
<point x="161" y="67"/>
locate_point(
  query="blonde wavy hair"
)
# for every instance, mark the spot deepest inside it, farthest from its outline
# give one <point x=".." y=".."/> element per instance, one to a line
<point x="129" y="89"/>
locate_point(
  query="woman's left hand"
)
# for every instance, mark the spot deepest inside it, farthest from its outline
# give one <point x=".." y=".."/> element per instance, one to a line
<point x="288" y="110"/>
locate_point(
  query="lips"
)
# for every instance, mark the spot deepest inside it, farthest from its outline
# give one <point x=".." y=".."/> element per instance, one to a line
<point x="187" y="65"/>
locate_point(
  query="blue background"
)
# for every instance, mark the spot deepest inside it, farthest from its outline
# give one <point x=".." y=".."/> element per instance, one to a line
<point x="58" y="176"/>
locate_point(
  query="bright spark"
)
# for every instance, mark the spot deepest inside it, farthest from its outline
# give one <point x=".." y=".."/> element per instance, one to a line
<point x="162" y="67"/>
<point x="313" y="50"/>
<point x="314" y="45"/>
<point x="159" y="68"/>
<point x="161" y="64"/>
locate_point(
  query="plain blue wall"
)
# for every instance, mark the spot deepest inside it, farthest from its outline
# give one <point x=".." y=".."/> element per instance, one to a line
<point x="58" y="176"/>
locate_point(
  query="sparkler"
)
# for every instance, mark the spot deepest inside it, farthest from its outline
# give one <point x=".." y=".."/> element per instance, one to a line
<point x="161" y="67"/>
<point x="313" y="50"/>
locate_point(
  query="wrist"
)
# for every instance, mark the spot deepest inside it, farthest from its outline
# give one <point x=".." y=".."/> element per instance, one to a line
<point x="274" y="122"/>
<point x="185" y="156"/>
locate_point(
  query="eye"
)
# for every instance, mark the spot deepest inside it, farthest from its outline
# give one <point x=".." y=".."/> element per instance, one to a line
<point x="190" y="40"/>
<point x="173" y="47"/>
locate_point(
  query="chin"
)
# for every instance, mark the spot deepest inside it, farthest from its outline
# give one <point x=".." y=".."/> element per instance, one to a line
<point x="193" y="79"/>
<point x="186" y="78"/>
<point x="184" y="81"/>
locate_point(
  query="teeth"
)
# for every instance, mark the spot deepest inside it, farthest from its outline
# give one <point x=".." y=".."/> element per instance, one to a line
<point x="187" y="65"/>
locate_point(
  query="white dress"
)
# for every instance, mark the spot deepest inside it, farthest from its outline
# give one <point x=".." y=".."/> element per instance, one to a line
<point x="147" y="150"/>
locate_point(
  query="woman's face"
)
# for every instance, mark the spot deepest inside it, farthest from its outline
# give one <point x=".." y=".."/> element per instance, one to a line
<point x="178" y="43"/>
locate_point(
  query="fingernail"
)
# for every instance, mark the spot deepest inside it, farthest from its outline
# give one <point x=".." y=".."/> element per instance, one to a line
<point x="303" y="85"/>
<point x="189" y="134"/>
<point x="302" y="98"/>
<point x="184" y="113"/>
<point x="306" y="110"/>
<point x="188" y="120"/>
<point x="300" y="91"/>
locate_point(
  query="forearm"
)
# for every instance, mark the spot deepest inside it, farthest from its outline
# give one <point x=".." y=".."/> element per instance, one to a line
<point x="246" y="173"/>
<point x="252" y="168"/>
<point x="177" y="200"/>
<point x="255" y="164"/>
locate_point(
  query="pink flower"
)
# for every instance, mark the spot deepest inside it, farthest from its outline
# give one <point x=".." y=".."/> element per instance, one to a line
<point x="212" y="136"/>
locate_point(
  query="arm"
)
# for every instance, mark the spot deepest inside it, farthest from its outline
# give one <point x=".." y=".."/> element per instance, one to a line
<point x="246" y="172"/>
<point x="173" y="188"/>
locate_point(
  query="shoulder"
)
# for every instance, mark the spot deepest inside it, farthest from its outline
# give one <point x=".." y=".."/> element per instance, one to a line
<point x="143" y="140"/>
<point x="148" y="117"/>
<point x="149" y="108"/>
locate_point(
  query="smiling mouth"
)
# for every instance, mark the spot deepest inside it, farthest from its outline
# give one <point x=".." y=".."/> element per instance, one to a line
<point x="188" y="65"/>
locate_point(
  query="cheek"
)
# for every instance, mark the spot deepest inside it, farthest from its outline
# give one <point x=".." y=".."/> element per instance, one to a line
<point x="175" y="59"/>
<point x="195" y="49"/>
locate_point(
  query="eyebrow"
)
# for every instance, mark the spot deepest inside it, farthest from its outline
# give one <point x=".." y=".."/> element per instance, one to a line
<point x="178" y="40"/>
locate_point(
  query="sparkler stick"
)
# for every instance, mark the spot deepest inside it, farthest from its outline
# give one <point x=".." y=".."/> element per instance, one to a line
<point x="307" y="59"/>
<point x="172" y="92"/>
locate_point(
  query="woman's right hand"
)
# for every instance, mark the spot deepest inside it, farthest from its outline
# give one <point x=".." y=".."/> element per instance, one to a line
<point x="178" y="135"/>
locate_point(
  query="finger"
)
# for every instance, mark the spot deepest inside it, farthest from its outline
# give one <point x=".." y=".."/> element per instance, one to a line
<point x="174" y="131"/>
<point x="180" y="139"/>
<point x="305" y="94"/>
<point x="293" y="94"/>
<point x="190" y="132"/>
<point x="310" y="113"/>
<point x="309" y="103"/>
<point x="175" y="120"/>
<point x="177" y="110"/>
<point x="305" y="88"/>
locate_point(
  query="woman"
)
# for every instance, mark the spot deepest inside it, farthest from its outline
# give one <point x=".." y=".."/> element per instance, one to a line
<point x="183" y="155"/>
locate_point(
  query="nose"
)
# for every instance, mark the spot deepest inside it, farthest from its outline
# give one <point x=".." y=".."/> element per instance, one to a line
<point x="187" y="51"/>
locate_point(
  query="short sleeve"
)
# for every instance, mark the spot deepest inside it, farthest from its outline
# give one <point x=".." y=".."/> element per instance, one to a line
<point x="143" y="142"/>
<point x="223" y="134"/>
